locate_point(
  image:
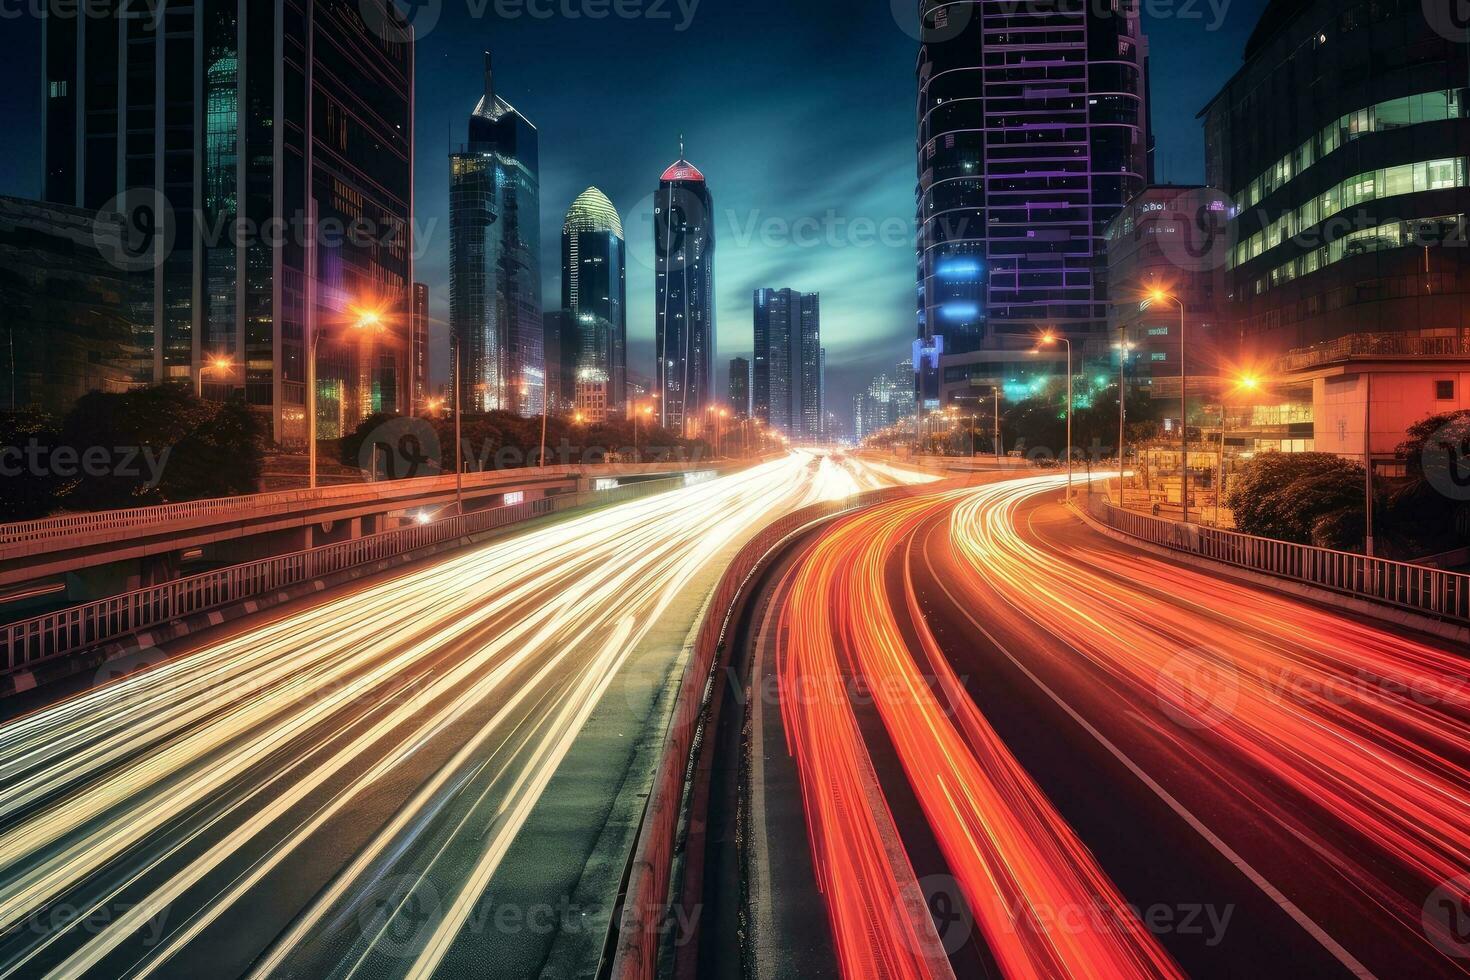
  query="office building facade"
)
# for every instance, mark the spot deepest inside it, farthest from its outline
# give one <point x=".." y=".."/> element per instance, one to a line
<point x="495" y="260"/>
<point x="75" y="320"/>
<point x="888" y="400"/>
<point x="265" y="168"/>
<point x="1032" y="134"/>
<point x="1341" y="146"/>
<point x="787" y="376"/>
<point x="594" y="289"/>
<point x="684" y="295"/>
<point x="1149" y="244"/>
<point x="739" y="387"/>
<point x="562" y="346"/>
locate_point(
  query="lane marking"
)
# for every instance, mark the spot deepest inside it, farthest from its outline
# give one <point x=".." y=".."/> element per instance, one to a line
<point x="1312" y="928"/>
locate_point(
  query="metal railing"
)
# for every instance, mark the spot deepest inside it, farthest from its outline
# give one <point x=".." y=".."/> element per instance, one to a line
<point x="1420" y="588"/>
<point x="138" y="518"/>
<point x="83" y="627"/>
<point x="1423" y="343"/>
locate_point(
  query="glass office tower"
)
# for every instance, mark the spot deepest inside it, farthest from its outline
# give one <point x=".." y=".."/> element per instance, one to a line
<point x="495" y="260"/>
<point x="593" y="289"/>
<point x="684" y="294"/>
<point x="1033" y="132"/>
<point x="230" y="134"/>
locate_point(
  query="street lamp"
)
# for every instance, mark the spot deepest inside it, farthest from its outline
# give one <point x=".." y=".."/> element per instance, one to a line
<point x="645" y="410"/>
<point x="219" y="363"/>
<point x="370" y="320"/>
<point x="1248" y="382"/>
<point x="1046" y="340"/>
<point x="1123" y="348"/>
<point x="1159" y="296"/>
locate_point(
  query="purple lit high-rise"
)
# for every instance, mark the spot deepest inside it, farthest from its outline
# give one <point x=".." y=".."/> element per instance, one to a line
<point x="1033" y="132"/>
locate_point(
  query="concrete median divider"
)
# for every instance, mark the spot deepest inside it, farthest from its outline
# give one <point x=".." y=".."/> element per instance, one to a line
<point x="651" y="885"/>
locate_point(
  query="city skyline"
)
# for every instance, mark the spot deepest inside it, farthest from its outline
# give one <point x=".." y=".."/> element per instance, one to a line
<point x="765" y="188"/>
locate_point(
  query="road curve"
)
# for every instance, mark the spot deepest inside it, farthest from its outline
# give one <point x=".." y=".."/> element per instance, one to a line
<point x="1131" y="767"/>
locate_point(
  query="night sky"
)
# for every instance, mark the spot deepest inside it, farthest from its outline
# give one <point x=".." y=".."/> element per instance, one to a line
<point x="800" y="114"/>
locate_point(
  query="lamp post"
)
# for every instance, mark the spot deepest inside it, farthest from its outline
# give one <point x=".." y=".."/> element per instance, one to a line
<point x="458" y="439"/>
<point x="1046" y="340"/>
<point x="366" y="320"/>
<point x="1122" y="404"/>
<point x="1246" y="383"/>
<point x="645" y="410"/>
<point x="1159" y="296"/>
<point x="221" y="363"/>
<point x="998" y="454"/>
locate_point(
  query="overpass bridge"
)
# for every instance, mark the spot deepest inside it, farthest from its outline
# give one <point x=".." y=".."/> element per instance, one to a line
<point x="79" y="557"/>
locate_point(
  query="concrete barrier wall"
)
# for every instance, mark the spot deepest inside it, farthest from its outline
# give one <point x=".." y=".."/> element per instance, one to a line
<point x="649" y="892"/>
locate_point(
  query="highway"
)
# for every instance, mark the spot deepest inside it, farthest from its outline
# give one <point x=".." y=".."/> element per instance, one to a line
<point x="1085" y="760"/>
<point x="334" y="789"/>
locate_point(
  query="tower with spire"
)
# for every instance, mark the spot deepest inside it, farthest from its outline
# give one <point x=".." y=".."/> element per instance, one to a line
<point x="495" y="260"/>
<point x="684" y="295"/>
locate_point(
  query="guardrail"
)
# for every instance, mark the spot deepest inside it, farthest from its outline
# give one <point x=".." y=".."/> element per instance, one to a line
<point x="137" y="518"/>
<point x="83" y="627"/>
<point x="1419" y="588"/>
<point x="649" y="892"/>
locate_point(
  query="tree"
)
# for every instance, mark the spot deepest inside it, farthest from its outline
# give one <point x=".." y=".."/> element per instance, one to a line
<point x="27" y="482"/>
<point x="1431" y="506"/>
<point x="1306" y="498"/>
<point x="157" y="445"/>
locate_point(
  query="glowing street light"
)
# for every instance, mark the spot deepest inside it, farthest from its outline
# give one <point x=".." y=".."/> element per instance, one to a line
<point x="1160" y="296"/>
<point x="364" y="319"/>
<point x="1246" y="382"/>
<point x="1046" y="340"/>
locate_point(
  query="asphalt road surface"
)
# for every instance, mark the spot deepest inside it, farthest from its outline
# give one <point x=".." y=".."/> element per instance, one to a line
<point x="339" y="788"/>
<point x="1026" y="750"/>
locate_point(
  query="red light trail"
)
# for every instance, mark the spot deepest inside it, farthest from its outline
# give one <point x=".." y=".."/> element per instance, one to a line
<point x="1328" y="760"/>
<point x="1019" y="865"/>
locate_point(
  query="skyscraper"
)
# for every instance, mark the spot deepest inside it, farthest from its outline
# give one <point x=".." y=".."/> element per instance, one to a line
<point x="562" y="346"/>
<point x="495" y="259"/>
<point x="1032" y="134"/>
<point x="228" y="143"/>
<point x="771" y="393"/>
<point x="594" y="289"/>
<point x="888" y="400"/>
<point x="684" y="293"/>
<point x="787" y="390"/>
<point x="806" y="400"/>
<point x="739" y="385"/>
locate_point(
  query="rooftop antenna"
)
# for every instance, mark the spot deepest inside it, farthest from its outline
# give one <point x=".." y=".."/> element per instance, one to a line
<point x="681" y="146"/>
